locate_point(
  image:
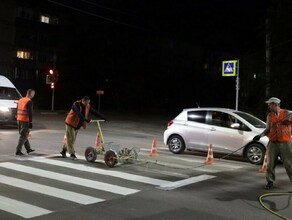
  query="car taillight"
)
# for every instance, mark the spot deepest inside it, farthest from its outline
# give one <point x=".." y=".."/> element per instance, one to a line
<point x="169" y="123"/>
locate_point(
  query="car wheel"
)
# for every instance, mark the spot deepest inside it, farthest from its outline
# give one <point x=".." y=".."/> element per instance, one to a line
<point x="255" y="153"/>
<point x="176" y="144"/>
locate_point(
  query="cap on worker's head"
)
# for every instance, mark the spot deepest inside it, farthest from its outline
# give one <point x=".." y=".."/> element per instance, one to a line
<point x="273" y="100"/>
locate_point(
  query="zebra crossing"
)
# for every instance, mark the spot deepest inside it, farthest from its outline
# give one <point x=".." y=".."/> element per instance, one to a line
<point x="72" y="183"/>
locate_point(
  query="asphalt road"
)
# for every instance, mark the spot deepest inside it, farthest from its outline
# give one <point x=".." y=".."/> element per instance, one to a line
<point x="44" y="186"/>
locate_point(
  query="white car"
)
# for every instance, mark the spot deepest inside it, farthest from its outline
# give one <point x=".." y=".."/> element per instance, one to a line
<point x="9" y="96"/>
<point x="228" y="130"/>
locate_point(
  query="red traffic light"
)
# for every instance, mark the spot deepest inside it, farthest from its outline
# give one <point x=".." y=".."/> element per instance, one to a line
<point x="51" y="71"/>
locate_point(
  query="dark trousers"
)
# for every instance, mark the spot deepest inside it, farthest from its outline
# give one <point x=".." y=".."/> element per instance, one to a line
<point x="276" y="149"/>
<point x="23" y="129"/>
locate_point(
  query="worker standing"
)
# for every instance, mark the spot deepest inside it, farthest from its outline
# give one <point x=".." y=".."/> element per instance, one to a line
<point x="278" y="131"/>
<point x="24" y="121"/>
<point x="76" y="118"/>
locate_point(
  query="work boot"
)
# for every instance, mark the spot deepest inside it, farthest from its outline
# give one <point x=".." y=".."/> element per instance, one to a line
<point x="29" y="151"/>
<point x="63" y="152"/>
<point x="19" y="153"/>
<point x="269" y="185"/>
<point x="73" y="157"/>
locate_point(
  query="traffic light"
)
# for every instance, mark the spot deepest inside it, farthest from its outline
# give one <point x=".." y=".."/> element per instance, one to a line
<point x="52" y="85"/>
<point x="49" y="79"/>
<point x="52" y="77"/>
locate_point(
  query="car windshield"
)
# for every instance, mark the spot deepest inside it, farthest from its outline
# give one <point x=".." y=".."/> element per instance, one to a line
<point x="9" y="93"/>
<point x="252" y="120"/>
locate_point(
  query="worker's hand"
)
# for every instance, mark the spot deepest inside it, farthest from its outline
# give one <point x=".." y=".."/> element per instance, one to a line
<point x="30" y="125"/>
<point x="88" y="120"/>
<point x="257" y="138"/>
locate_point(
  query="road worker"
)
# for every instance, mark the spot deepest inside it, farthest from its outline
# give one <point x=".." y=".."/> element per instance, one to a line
<point x="76" y="118"/>
<point x="24" y="121"/>
<point x="278" y="131"/>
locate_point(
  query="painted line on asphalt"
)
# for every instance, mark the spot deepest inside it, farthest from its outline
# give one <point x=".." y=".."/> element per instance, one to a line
<point x="199" y="160"/>
<point x="21" y="209"/>
<point x="82" y="167"/>
<point x="180" y="183"/>
<point x="48" y="190"/>
<point x="70" y="179"/>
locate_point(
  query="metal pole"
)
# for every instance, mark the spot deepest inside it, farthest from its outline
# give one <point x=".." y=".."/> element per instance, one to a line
<point x="98" y="102"/>
<point x="53" y="97"/>
<point x="237" y="86"/>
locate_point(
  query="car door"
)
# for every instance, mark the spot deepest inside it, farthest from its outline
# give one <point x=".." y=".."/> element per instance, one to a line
<point x="223" y="136"/>
<point x="196" y="132"/>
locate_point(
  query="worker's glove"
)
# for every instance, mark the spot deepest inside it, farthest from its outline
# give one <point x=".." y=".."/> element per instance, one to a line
<point x="30" y="125"/>
<point x="88" y="120"/>
<point x="257" y="138"/>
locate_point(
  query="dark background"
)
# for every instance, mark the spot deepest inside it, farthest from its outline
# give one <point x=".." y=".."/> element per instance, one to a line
<point x="162" y="56"/>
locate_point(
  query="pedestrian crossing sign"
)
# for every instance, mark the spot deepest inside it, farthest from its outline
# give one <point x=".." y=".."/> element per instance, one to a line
<point x="229" y="68"/>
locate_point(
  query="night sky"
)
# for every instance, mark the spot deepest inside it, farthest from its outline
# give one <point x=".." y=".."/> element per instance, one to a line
<point x="160" y="56"/>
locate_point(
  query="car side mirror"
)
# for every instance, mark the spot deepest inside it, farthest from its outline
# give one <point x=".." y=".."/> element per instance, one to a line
<point x="235" y="125"/>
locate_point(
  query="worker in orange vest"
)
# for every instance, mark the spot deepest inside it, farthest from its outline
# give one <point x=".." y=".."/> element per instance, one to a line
<point x="278" y="131"/>
<point x="76" y="118"/>
<point x="24" y="121"/>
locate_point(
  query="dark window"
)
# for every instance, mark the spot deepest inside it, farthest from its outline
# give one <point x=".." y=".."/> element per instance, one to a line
<point x="197" y="116"/>
<point x="222" y="119"/>
<point x="252" y="120"/>
<point x="9" y="93"/>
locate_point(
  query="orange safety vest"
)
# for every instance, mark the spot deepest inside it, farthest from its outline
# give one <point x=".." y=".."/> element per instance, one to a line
<point x="72" y="118"/>
<point x="22" y="111"/>
<point x="279" y="131"/>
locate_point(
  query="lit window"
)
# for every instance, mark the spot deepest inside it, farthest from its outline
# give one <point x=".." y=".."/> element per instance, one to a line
<point x="24" y="55"/>
<point x="45" y="19"/>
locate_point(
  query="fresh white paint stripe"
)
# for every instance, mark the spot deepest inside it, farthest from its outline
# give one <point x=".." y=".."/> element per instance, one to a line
<point x="81" y="167"/>
<point x="202" y="169"/>
<point x="70" y="179"/>
<point x="21" y="209"/>
<point x="185" y="182"/>
<point x="200" y="160"/>
<point x="48" y="190"/>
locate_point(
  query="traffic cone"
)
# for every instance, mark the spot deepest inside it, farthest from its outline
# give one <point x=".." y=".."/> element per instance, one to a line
<point x="98" y="141"/>
<point x="64" y="139"/>
<point x="153" y="152"/>
<point x="210" y="158"/>
<point x="264" y="167"/>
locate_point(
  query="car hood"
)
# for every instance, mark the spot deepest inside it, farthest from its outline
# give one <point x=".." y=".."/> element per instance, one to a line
<point x="8" y="103"/>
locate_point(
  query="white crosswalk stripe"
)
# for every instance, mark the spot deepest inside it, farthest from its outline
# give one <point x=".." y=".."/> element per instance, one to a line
<point x="20" y="208"/>
<point x="48" y="190"/>
<point x="69" y="179"/>
<point x="81" y="167"/>
<point x="26" y="182"/>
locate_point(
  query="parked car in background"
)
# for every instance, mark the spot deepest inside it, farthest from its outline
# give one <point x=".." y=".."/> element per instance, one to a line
<point x="9" y="96"/>
<point x="228" y="130"/>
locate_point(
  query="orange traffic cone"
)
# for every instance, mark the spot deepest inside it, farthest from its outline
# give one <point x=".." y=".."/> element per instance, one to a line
<point x="264" y="167"/>
<point x="210" y="158"/>
<point x="153" y="152"/>
<point x="98" y="141"/>
<point x="64" y="139"/>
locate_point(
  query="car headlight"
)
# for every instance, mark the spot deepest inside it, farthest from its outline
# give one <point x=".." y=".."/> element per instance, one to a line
<point x="4" y="109"/>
